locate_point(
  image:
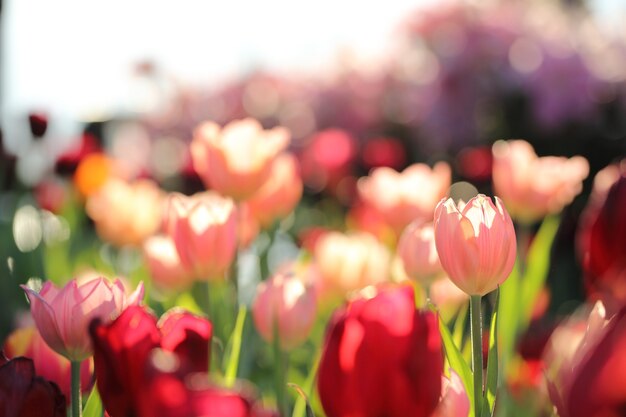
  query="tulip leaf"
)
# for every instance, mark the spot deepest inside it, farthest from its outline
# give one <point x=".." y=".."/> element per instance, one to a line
<point x="456" y="360"/>
<point x="232" y="363"/>
<point x="303" y="396"/>
<point x="508" y="313"/>
<point x="93" y="407"/>
<point x="491" y="383"/>
<point x="302" y="402"/>
<point x="537" y="267"/>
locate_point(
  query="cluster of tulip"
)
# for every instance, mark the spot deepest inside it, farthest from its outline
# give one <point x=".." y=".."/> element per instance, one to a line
<point x="392" y="292"/>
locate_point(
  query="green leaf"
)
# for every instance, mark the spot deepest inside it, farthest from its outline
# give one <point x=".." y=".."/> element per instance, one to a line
<point x="459" y="325"/>
<point x="232" y="361"/>
<point x="508" y="313"/>
<point x="491" y="384"/>
<point x="302" y="402"/>
<point x="537" y="267"/>
<point x="93" y="408"/>
<point x="305" y="399"/>
<point x="456" y="360"/>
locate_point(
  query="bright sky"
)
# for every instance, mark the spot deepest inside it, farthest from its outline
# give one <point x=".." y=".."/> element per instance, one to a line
<point x="74" y="56"/>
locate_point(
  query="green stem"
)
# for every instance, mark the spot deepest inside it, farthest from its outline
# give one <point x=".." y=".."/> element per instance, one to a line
<point x="280" y="360"/>
<point x="75" y="393"/>
<point x="477" y="352"/>
<point x="236" y="338"/>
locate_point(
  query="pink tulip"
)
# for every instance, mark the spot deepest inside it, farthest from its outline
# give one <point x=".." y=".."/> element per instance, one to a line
<point x="287" y="302"/>
<point x="454" y="400"/>
<point x="204" y="230"/>
<point x="534" y="187"/>
<point x="350" y="262"/>
<point x="280" y="194"/>
<point x="63" y="316"/>
<point x="476" y="243"/>
<point x="418" y="252"/>
<point x="125" y="213"/>
<point x="166" y="269"/>
<point x="237" y="159"/>
<point x="406" y="196"/>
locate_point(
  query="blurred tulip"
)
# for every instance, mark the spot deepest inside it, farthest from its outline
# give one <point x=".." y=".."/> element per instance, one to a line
<point x="280" y="194"/>
<point x="454" y="400"/>
<point x="447" y="296"/>
<point x="236" y="160"/>
<point x="534" y="187"/>
<point x="350" y="262"/>
<point x="384" y="152"/>
<point x="92" y="173"/>
<point x="63" y="316"/>
<point x="27" y="342"/>
<point x="129" y="348"/>
<point x="328" y="158"/>
<point x="166" y="269"/>
<point x="204" y="230"/>
<point x="406" y="196"/>
<point x="248" y="226"/>
<point x="476" y="243"/>
<point x="381" y="357"/>
<point x="418" y="252"/>
<point x="602" y="236"/>
<point x="591" y="382"/>
<point x="124" y="213"/>
<point x="24" y="394"/>
<point x="284" y="306"/>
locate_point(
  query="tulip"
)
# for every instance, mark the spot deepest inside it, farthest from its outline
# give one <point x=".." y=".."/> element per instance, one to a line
<point x="406" y="196"/>
<point x="204" y="230"/>
<point x="280" y="194"/>
<point x="590" y="381"/>
<point x="26" y="341"/>
<point x="454" y="399"/>
<point x="24" y="394"/>
<point x="126" y="214"/>
<point x="381" y="357"/>
<point x="602" y="236"/>
<point x="534" y="187"/>
<point x="350" y="262"/>
<point x="418" y="252"/>
<point x="63" y="316"/>
<point x="284" y="306"/>
<point x="128" y="348"/>
<point x="166" y="269"/>
<point x="476" y="243"/>
<point x="236" y="160"/>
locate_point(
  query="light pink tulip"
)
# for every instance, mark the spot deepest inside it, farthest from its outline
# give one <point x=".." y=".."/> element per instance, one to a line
<point x="446" y="296"/>
<point x="418" y="252"/>
<point x="166" y="269"/>
<point x="288" y="302"/>
<point x="237" y="159"/>
<point x="454" y="400"/>
<point x="406" y="196"/>
<point x="63" y="316"/>
<point x="534" y="187"/>
<point x="280" y="194"/>
<point x="204" y="230"/>
<point x="476" y="243"/>
<point x="126" y="213"/>
<point x="349" y="262"/>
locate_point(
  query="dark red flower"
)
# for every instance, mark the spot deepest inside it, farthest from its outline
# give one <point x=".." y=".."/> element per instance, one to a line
<point x="23" y="394"/>
<point x="127" y="350"/>
<point x="382" y="357"/>
<point x="602" y="239"/>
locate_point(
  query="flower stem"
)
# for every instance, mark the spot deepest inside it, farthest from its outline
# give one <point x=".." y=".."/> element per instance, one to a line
<point x="76" y="400"/>
<point x="477" y="352"/>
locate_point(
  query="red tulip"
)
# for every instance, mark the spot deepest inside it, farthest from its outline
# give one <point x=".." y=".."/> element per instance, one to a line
<point x="23" y="394"/>
<point x="602" y="238"/>
<point x="125" y="350"/>
<point x="381" y="357"/>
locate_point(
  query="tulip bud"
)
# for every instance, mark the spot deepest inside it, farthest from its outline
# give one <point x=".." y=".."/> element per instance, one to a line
<point x="236" y="160"/>
<point x="63" y="316"/>
<point x="166" y="269"/>
<point x="476" y="243"/>
<point x="285" y="306"/>
<point x="204" y="230"/>
<point x="418" y="252"/>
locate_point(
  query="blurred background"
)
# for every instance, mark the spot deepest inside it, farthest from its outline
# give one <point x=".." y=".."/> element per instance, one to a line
<point x="389" y="84"/>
